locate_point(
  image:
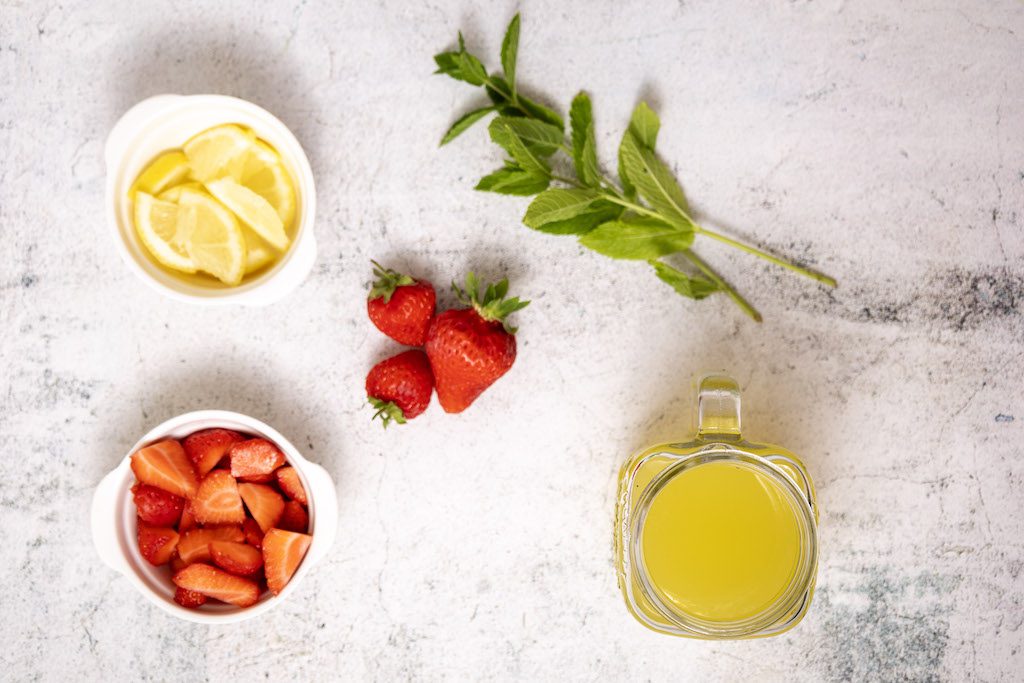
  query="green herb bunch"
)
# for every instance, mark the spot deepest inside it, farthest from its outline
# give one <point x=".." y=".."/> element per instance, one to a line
<point x="644" y="217"/>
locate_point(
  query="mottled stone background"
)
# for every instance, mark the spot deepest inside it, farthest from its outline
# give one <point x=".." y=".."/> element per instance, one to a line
<point x="881" y="142"/>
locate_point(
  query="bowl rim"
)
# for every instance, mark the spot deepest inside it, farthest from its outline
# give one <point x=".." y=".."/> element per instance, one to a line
<point x="293" y="266"/>
<point x="112" y="496"/>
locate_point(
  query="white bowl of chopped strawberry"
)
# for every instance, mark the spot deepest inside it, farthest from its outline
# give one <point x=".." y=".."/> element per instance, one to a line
<point x="214" y="516"/>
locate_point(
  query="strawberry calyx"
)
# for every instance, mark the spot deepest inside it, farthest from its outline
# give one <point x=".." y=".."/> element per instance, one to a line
<point x="490" y="302"/>
<point x="387" y="282"/>
<point x="387" y="411"/>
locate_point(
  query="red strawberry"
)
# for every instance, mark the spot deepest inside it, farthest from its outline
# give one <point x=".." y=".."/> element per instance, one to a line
<point x="156" y="507"/>
<point x="264" y="503"/>
<point x="218" y="584"/>
<point x="255" y="457"/>
<point x="295" y="518"/>
<point x="206" y="448"/>
<point x="157" y="544"/>
<point x="194" y="545"/>
<point x="187" y="598"/>
<point x="165" y="466"/>
<point x="288" y="480"/>
<point x="399" y="387"/>
<point x="400" y="306"/>
<point x="188" y="520"/>
<point x="217" y="501"/>
<point x="253" y="533"/>
<point x="282" y="553"/>
<point x="470" y="348"/>
<point x="259" y="478"/>
<point x="177" y="564"/>
<point x="237" y="558"/>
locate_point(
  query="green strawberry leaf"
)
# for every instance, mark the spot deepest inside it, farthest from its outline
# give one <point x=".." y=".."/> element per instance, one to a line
<point x="489" y="302"/>
<point x="387" y="411"/>
<point x="387" y="282"/>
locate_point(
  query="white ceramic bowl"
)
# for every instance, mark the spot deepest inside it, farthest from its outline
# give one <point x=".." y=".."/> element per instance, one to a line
<point x="114" y="524"/>
<point x="166" y="122"/>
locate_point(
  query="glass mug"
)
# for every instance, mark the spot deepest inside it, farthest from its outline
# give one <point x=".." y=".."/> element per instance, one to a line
<point x="716" y="538"/>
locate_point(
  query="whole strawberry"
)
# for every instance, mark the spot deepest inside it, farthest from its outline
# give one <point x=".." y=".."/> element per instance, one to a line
<point x="470" y="348"/>
<point x="399" y="387"/>
<point x="400" y="306"/>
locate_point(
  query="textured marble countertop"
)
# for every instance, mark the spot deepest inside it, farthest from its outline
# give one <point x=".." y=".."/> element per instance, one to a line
<point x="879" y="141"/>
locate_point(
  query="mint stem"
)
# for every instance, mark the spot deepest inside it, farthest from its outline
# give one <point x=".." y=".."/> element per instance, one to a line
<point x="766" y="256"/>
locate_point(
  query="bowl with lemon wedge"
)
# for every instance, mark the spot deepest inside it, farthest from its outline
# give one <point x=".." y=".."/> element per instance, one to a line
<point x="211" y="199"/>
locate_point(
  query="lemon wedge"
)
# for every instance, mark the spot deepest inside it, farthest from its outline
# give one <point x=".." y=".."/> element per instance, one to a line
<point x="214" y="238"/>
<point x="218" y="152"/>
<point x="257" y="256"/>
<point x="264" y="174"/>
<point x="157" y="224"/>
<point x="252" y="209"/>
<point x="169" y="169"/>
<point x="172" y="194"/>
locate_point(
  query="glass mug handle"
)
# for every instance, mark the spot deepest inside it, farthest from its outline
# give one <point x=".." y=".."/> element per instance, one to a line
<point x="718" y="408"/>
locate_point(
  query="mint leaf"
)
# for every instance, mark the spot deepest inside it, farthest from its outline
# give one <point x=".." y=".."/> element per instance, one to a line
<point x="447" y="62"/>
<point x="690" y="287"/>
<point x="471" y="69"/>
<point x="465" y="122"/>
<point x="643" y="127"/>
<point x="637" y="238"/>
<point x="513" y="180"/>
<point x="539" y="111"/>
<point x="597" y="213"/>
<point x="584" y="153"/>
<point x="542" y="138"/>
<point x="644" y="124"/>
<point x="559" y="205"/>
<point x="510" y="51"/>
<point x="530" y="160"/>
<point x="654" y="182"/>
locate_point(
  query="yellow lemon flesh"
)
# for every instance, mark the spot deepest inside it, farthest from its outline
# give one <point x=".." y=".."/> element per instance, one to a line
<point x="214" y="238"/>
<point x="218" y="152"/>
<point x="173" y="194"/>
<point x="264" y="174"/>
<point x="169" y="169"/>
<point x="157" y="224"/>
<point x="255" y="211"/>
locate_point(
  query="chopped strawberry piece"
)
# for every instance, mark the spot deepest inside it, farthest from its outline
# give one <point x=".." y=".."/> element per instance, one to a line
<point x="264" y="503"/>
<point x="237" y="558"/>
<point x="157" y="544"/>
<point x="177" y="564"/>
<point x="217" y="500"/>
<point x="194" y="545"/>
<point x="157" y="507"/>
<point x="188" y="520"/>
<point x="206" y="448"/>
<point x="282" y="553"/>
<point x="258" y="478"/>
<point x="218" y="584"/>
<point x="253" y="533"/>
<point x="294" y="518"/>
<point x="165" y="466"/>
<point x="187" y="598"/>
<point x="288" y="480"/>
<point x="255" y="457"/>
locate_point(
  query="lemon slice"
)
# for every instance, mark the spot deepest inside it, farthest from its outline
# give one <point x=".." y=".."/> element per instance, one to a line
<point x="218" y="152"/>
<point x="264" y="174"/>
<point x="169" y="169"/>
<point x="172" y="194"/>
<point x="214" y="239"/>
<point x="252" y="209"/>
<point x="257" y="256"/>
<point x="156" y="222"/>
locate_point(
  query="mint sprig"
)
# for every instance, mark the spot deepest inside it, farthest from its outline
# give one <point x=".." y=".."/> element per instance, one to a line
<point x="645" y="216"/>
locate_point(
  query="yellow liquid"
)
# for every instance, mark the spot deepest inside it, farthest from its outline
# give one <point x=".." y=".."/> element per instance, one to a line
<point x="721" y="542"/>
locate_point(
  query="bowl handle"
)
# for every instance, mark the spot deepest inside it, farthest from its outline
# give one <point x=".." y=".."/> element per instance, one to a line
<point x="326" y="521"/>
<point x="104" y="522"/>
<point x="125" y="128"/>
<point x="295" y="272"/>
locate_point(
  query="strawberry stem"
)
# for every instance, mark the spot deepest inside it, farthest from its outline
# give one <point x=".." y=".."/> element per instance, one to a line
<point x="387" y="282"/>
<point x="387" y="411"/>
<point x="490" y="302"/>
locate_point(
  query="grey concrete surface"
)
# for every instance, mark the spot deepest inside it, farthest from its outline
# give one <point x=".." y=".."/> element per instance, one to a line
<point x="880" y="142"/>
